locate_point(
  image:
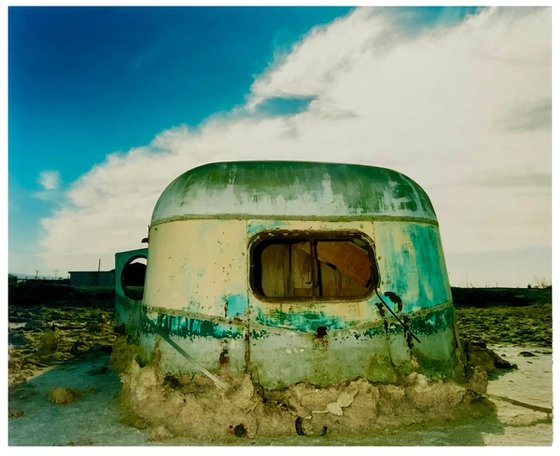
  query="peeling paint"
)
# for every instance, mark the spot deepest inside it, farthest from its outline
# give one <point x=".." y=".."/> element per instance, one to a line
<point x="198" y="289"/>
<point x="256" y="226"/>
<point x="175" y="325"/>
<point x="411" y="264"/>
<point x="262" y="350"/>
<point x="236" y="305"/>
<point x="302" y="320"/>
<point x="293" y="188"/>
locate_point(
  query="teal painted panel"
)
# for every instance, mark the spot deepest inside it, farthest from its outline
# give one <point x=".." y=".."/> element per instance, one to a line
<point x="255" y="227"/>
<point x="411" y="264"/>
<point x="303" y="320"/>
<point x="182" y="326"/>
<point x="432" y="272"/>
<point x="236" y="305"/>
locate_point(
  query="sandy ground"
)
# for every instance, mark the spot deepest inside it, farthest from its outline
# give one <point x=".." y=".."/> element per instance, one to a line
<point x="68" y="348"/>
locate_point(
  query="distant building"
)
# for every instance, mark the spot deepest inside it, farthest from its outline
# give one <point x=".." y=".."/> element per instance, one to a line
<point x="92" y="278"/>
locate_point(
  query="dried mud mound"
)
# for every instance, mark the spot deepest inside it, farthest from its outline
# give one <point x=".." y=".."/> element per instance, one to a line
<point x="193" y="406"/>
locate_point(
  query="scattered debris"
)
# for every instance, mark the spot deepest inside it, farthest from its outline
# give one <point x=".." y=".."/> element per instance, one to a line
<point x="99" y="371"/>
<point x="530" y="325"/>
<point x="48" y="344"/>
<point x="63" y="396"/>
<point x="240" y="431"/>
<point x="14" y="414"/>
<point x="299" y="427"/>
<point x="85" y="442"/>
<point x="527" y="354"/>
<point x="479" y="355"/>
<point x="536" y="408"/>
<point x="160" y="433"/>
<point x="43" y="336"/>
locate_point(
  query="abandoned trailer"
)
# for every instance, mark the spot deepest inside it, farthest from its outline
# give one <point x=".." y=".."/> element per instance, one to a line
<point x="292" y="272"/>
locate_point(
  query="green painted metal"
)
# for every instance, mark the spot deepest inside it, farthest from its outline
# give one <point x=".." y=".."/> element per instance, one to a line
<point x="292" y="189"/>
<point x="127" y="310"/>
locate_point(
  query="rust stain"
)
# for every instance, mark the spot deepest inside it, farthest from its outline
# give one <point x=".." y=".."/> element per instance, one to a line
<point x="224" y="358"/>
<point x="247" y="351"/>
<point x="321" y="332"/>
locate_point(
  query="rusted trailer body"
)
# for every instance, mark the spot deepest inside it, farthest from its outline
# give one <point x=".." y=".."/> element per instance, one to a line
<point x="294" y="272"/>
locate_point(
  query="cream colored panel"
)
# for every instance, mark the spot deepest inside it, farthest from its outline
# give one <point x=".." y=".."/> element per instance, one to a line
<point x="197" y="265"/>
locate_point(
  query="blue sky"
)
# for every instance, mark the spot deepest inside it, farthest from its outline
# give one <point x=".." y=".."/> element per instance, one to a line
<point x="130" y="73"/>
<point x="95" y="91"/>
<point x="85" y="82"/>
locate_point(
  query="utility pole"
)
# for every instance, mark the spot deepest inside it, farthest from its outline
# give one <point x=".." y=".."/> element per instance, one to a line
<point x="99" y="265"/>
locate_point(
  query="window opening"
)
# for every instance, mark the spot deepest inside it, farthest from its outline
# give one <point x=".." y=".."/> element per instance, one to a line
<point x="320" y="266"/>
<point x="132" y="277"/>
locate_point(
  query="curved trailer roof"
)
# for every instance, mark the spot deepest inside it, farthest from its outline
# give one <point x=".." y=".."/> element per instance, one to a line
<point x="288" y="189"/>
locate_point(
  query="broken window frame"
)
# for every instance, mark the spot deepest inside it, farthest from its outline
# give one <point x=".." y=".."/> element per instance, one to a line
<point x="255" y="246"/>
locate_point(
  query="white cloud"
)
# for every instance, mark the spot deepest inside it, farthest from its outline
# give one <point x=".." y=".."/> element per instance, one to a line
<point x="49" y="179"/>
<point x="461" y="110"/>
